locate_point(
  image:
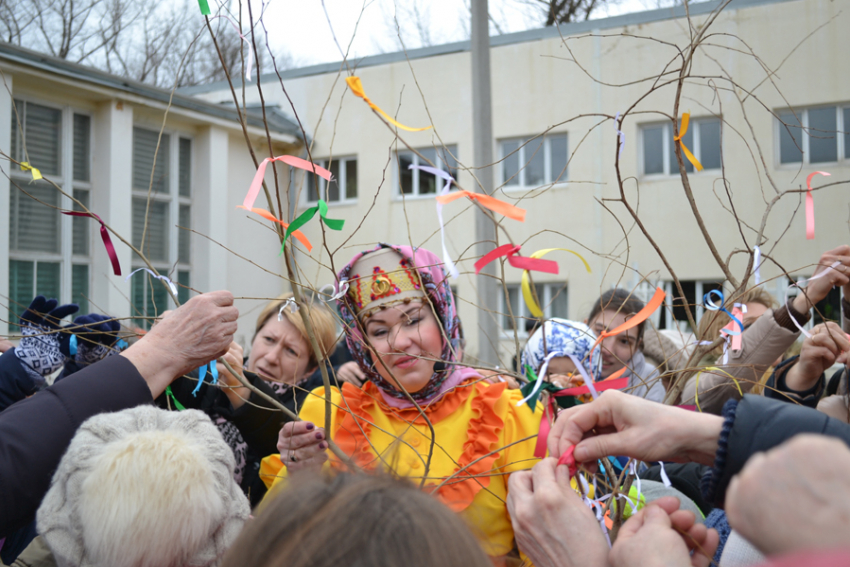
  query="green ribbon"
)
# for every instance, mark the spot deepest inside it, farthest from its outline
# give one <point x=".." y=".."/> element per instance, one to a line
<point x="322" y="208"/>
<point x="205" y="7"/>
<point x="170" y="394"/>
<point x="563" y="401"/>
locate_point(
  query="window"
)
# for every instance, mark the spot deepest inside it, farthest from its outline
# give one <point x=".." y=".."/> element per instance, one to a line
<point x="673" y="312"/>
<point x="157" y="219"/>
<point x="417" y="182"/>
<point x="57" y="141"/>
<point x="532" y="162"/>
<point x="343" y="188"/>
<point x="553" y="302"/>
<point x="659" y="154"/>
<point x="814" y="135"/>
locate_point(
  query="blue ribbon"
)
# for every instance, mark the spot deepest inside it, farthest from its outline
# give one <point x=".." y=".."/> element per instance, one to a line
<point x="711" y="306"/>
<point x="202" y="373"/>
<point x="72" y="345"/>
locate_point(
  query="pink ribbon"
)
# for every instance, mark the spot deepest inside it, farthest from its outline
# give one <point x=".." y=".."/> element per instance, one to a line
<point x="810" y="205"/>
<point x="291" y="161"/>
<point x="521" y="262"/>
<point x="104" y="234"/>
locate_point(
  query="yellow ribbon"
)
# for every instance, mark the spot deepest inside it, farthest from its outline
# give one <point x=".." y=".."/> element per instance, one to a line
<point x="713" y="369"/>
<point x="36" y="174"/>
<point x="357" y="88"/>
<point x="527" y="295"/>
<point x="686" y="117"/>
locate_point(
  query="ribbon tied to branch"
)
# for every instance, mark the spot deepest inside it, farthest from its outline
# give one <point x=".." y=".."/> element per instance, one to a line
<point x="104" y="235"/>
<point x="36" y="174"/>
<point x="517" y="261"/>
<point x="691" y="158"/>
<point x="527" y="294"/>
<point x="322" y="208"/>
<point x="810" y="205"/>
<point x="486" y="201"/>
<point x="165" y="279"/>
<point x="356" y="87"/>
<point x="447" y="260"/>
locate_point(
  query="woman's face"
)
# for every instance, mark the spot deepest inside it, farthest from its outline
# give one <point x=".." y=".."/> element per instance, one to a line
<point x="408" y="340"/>
<point x="280" y="352"/>
<point x="616" y="350"/>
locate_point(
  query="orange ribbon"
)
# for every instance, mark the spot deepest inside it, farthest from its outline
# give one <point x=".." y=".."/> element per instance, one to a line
<point x="357" y="88"/>
<point x="487" y="202"/>
<point x="686" y="117"/>
<point x="267" y="215"/>
<point x="639" y="318"/>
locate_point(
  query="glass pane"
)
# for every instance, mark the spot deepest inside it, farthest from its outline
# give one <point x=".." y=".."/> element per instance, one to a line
<point x="351" y="179"/>
<point x="822" y="144"/>
<point x="558" y="159"/>
<point x="448" y="161"/>
<point x="43" y="138"/>
<point x="790" y="138"/>
<point x="137" y="298"/>
<point x="653" y="150"/>
<point x="510" y="162"/>
<point x="709" y="144"/>
<point x="688" y="139"/>
<point x="32" y="226"/>
<point x="17" y="115"/>
<point x="405" y="175"/>
<point x="144" y="151"/>
<point x="21" y="276"/>
<point x="333" y="186"/>
<point x="513" y="297"/>
<point x="847" y="133"/>
<point x="80" y="287"/>
<point x="310" y="181"/>
<point x="558" y="301"/>
<point x="48" y="278"/>
<point x="184" y="174"/>
<point x="81" y="224"/>
<point x="428" y="181"/>
<point x="184" y="236"/>
<point x="535" y="166"/>
<point x="156" y="236"/>
<point x="183" y="290"/>
<point x="82" y="145"/>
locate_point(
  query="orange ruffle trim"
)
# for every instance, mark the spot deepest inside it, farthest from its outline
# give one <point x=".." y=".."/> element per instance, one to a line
<point x="478" y="451"/>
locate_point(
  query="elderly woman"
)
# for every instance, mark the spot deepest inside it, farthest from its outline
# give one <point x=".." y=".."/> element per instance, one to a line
<point x="282" y="364"/>
<point x="402" y="329"/>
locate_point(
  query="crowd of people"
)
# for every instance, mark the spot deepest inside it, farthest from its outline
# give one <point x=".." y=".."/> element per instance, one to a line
<point x="388" y="449"/>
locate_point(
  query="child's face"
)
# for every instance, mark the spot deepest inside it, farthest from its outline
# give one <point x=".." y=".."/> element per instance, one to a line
<point x="563" y="373"/>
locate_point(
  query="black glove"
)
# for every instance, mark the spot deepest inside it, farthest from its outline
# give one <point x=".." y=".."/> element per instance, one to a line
<point x="95" y="338"/>
<point x="39" y="350"/>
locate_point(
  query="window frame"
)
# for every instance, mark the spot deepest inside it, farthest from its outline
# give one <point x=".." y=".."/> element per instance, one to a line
<point x="667" y="151"/>
<point x="550" y="289"/>
<point x="342" y="182"/>
<point x="398" y="195"/>
<point x="524" y="142"/>
<point x="65" y="180"/>
<point x="842" y="151"/>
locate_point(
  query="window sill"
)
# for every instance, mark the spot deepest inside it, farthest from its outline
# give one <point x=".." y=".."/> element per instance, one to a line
<point x="331" y="204"/>
<point x="669" y="176"/>
<point x="400" y="198"/>
<point x="526" y="188"/>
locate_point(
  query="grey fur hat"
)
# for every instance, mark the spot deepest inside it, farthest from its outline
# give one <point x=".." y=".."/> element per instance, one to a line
<point x="144" y="487"/>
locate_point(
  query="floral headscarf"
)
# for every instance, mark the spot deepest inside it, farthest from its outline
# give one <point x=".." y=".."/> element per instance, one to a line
<point x="563" y="338"/>
<point x="448" y="373"/>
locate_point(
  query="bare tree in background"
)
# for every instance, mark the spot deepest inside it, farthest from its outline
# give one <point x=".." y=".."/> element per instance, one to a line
<point x="159" y="42"/>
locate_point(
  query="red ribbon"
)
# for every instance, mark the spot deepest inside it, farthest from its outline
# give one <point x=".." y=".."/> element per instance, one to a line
<point x="570" y="460"/>
<point x="517" y="261"/>
<point x="617" y="384"/>
<point x="545" y="426"/>
<point x="104" y="234"/>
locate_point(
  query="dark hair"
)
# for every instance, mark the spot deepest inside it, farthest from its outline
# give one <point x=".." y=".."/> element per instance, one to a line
<point x="621" y="301"/>
<point x="357" y="520"/>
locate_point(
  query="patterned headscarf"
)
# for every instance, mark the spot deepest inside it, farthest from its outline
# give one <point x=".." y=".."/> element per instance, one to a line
<point x="563" y="338"/>
<point x="448" y="373"/>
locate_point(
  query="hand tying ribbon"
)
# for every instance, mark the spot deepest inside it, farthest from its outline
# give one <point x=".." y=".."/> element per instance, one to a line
<point x="202" y="372"/>
<point x="163" y="278"/>
<point x="205" y="7"/>
<point x="104" y="235"/>
<point x="621" y="138"/>
<point x="527" y="295"/>
<point x="521" y="262"/>
<point x="290" y="303"/>
<point x="757" y="264"/>
<point x="694" y="161"/>
<point x="357" y="89"/>
<point x="486" y="201"/>
<point x="569" y="460"/>
<point x="802" y="283"/>
<point x="296" y="233"/>
<point x="810" y="205"/>
<point x="447" y="260"/>
<point x="322" y="208"/>
<point x="338" y="293"/>
<point x="36" y="174"/>
<point x="250" y="64"/>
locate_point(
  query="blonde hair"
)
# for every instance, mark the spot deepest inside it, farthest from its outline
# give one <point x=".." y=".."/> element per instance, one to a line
<point x="713" y="321"/>
<point x="320" y="317"/>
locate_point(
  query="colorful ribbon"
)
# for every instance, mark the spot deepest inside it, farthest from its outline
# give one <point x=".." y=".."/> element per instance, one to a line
<point x="72" y="345"/>
<point x="250" y="64"/>
<point x="694" y="161"/>
<point x="757" y="264"/>
<point x="447" y="260"/>
<point x="292" y="161"/>
<point x="267" y="215"/>
<point x="711" y="306"/>
<point x="163" y="278"/>
<point x="713" y="369"/>
<point x="517" y="261"/>
<point x="357" y="89"/>
<point x="810" y="205"/>
<point x="538" y="380"/>
<point x="173" y="399"/>
<point x="202" y="373"/>
<point x="607" y="384"/>
<point x="104" y="235"/>
<point x="527" y="295"/>
<point x="486" y="201"/>
<point x="304" y="218"/>
<point x="621" y="138"/>
<point x="800" y="284"/>
<point x="205" y="7"/>
<point x="36" y="174"/>
<point x="569" y="460"/>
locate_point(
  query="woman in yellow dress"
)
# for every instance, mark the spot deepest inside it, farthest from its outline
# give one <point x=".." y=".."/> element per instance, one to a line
<point x="402" y="328"/>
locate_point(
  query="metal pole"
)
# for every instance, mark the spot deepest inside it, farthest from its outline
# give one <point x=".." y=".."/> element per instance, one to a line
<point x="482" y="136"/>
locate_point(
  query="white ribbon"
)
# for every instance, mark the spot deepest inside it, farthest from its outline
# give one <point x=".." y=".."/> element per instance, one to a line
<point x="579" y="366"/>
<point x="250" y="47"/>
<point x="163" y="278"/>
<point x="343" y="289"/>
<point x="757" y="264"/>
<point x="633" y="470"/>
<point x="293" y="308"/>
<point x="540" y="377"/>
<point x="664" y="478"/>
<point x="801" y="284"/>
<point x="447" y="260"/>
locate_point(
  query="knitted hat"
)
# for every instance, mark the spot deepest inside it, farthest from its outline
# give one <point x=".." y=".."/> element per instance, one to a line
<point x="144" y="487"/>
